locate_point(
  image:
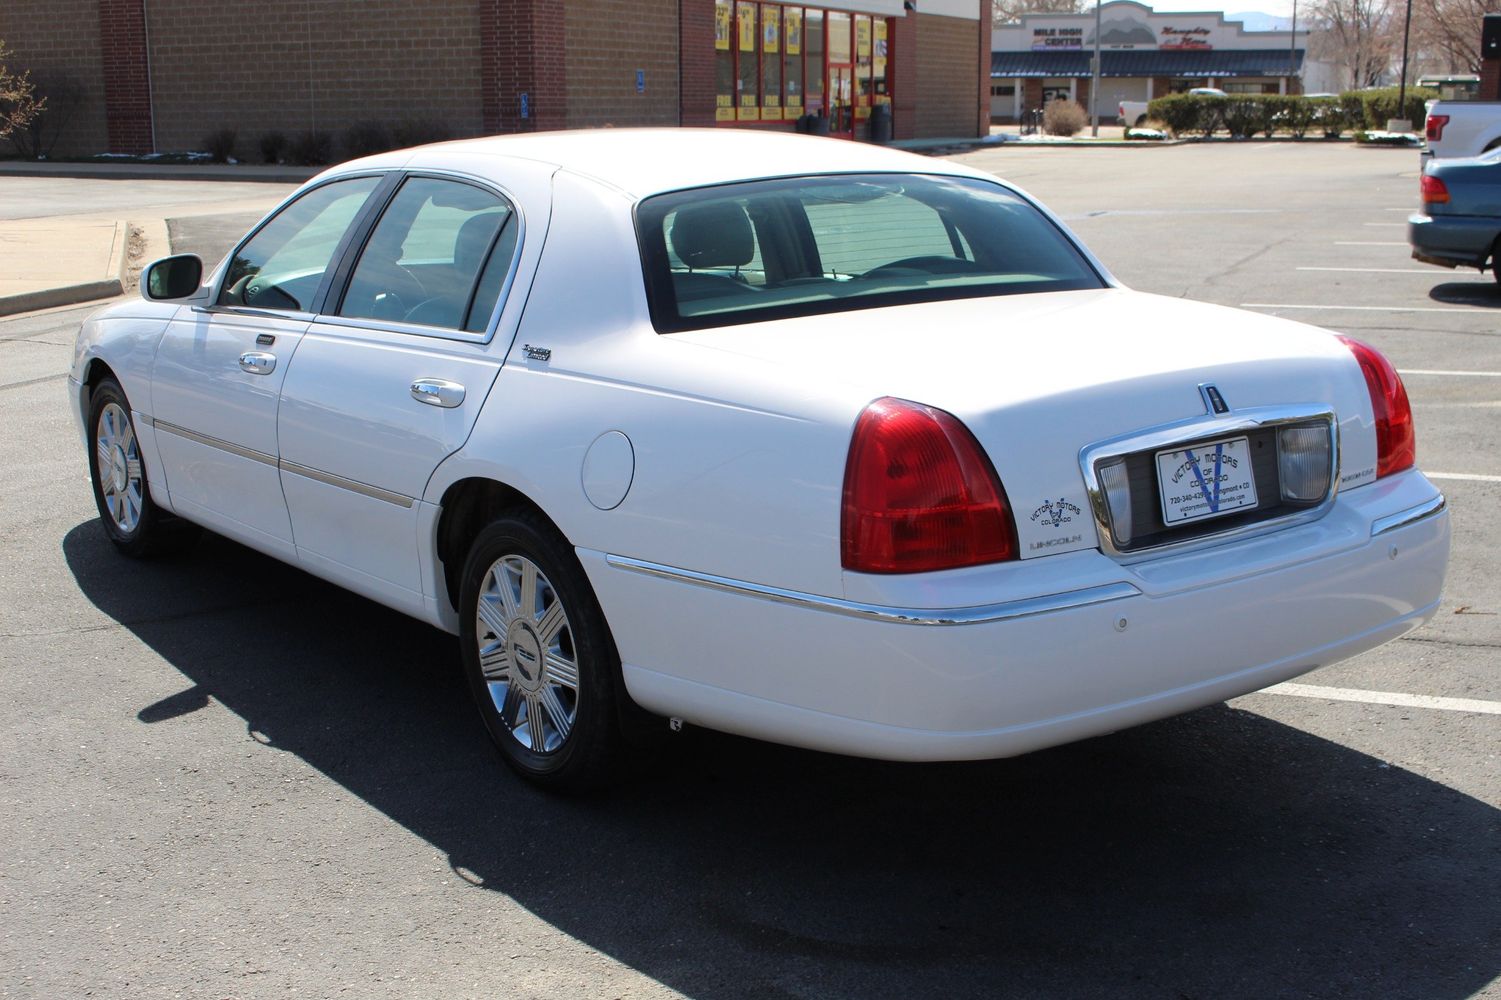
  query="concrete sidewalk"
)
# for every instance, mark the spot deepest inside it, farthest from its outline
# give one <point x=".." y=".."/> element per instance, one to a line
<point x="61" y="261"/>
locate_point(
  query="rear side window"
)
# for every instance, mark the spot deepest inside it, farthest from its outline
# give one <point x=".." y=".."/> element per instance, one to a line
<point x="742" y="253"/>
<point x="438" y="257"/>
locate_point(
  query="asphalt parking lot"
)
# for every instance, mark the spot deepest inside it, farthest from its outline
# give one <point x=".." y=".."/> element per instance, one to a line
<point x="220" y="777"/>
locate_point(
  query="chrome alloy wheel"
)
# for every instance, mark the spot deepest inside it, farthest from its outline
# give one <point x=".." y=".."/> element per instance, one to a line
<point x="526" y="654"/>
<point x="119" y="458"/>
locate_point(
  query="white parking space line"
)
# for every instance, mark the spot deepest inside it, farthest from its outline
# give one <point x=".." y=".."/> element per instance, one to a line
<point x="1374" y="270"/>
<point x="1393" y="698"/>
<point x="1436" y="371"/>
<point x="1389" y="309"/>
<point x="1464" y="477"/>
<point x="1365" y="243"/>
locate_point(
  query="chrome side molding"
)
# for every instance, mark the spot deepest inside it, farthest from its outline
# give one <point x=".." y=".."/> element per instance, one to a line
<point x="978" y="615"/>
<point x="1411" y="515"/>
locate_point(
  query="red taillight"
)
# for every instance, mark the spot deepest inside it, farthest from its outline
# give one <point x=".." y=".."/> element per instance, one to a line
<point x="1396" y="444"/>
<point x="1433" y="190"/>
<point x="1436" y="125"/>
<point x="920" y="495"/>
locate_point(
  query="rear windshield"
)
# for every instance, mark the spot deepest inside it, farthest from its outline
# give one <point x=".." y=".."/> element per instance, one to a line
<point x="742" y="253"/>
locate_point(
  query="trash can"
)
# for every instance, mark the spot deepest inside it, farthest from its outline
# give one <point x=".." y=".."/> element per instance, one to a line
<point x="880" y="124"/>
<point x="818" y="124"/>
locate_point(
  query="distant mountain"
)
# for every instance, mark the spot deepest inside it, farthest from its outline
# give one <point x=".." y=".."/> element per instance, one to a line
<point x="1257" y="21"/>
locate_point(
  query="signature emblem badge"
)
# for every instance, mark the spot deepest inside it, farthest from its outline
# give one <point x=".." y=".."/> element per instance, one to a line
<point x="1055" y="513"/>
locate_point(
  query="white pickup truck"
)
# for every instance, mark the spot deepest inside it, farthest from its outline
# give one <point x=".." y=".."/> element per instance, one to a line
<point x="1463" y="128"/>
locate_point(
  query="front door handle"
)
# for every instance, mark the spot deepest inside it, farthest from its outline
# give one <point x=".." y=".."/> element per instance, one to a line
<point x="258" y="362"/>
<point x="438" y="392"/>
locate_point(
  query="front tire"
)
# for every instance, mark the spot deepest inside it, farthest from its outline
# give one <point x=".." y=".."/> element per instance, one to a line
<point x="538" y="655"/>
<point x="131" y="519"/>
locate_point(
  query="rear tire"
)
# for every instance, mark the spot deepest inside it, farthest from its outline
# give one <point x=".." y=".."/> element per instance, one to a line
<point x="131" y="519"/>
<point x="538" y="655"/>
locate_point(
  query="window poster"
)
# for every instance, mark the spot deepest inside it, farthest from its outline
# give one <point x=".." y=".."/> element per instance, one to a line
<point x="880" y="57"/>
<point x="722" y="25"/>
<point x="792" y="30"/>
<point x="725" y="111"/>
<point x="746" y="15"/>
<point x="862" y="37"/>
<point x="771" y="28"/>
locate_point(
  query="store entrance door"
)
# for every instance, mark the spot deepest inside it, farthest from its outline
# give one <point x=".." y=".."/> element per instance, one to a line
<point x="842" y="101"/>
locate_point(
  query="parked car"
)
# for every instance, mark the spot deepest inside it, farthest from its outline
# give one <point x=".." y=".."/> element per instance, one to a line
<point x="816" y="442"/>
<point x="1462" y="128"/>
<point x="1460" y="224"/>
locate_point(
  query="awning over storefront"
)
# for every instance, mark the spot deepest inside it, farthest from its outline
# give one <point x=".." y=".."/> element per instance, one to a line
<point x="1149" y="62"/>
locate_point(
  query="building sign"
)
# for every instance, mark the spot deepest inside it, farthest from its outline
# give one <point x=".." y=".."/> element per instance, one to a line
<point x="1057" y="39"/>
<point x="1184" y="38"/>
<point x="1125" y="32"/>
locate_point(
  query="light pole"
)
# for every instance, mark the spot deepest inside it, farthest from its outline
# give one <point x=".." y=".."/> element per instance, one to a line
<point x="1402" y="85"/>
<point x="1094" y="83"/>
<point x="1292" y="50"/>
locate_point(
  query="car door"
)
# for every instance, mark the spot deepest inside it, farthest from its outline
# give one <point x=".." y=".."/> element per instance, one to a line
<point x="390" y="380"/>
<point x="219" y="369"/>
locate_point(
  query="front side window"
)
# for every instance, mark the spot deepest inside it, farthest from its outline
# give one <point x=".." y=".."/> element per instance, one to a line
<point x="741" y="253"/>
<point x="437" y="257"/>
<point x="282" y="265"/>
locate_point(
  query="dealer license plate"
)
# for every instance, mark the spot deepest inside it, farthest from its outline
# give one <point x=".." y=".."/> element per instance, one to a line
<point x="1207" y="480"/>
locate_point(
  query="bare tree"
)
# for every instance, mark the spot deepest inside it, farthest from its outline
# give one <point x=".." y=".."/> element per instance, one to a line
<point x="1447" y="32"/>
<point x="1362" y="37"/>
<point x="18" y="101"/>
<point x="1011" y="11"/>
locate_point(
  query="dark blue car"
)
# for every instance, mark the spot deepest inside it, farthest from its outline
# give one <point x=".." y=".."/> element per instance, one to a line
<point x="1460" y="225"/>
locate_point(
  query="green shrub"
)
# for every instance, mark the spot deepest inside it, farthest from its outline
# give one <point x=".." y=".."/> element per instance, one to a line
<point x="1244" y="115"/>
<point x="1179" y="113"/>
<point x="419" y="133"/>
<point x="1372" y="109"/>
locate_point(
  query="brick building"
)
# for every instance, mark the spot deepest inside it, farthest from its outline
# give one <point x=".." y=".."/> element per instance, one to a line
<point x="135" y="76"/>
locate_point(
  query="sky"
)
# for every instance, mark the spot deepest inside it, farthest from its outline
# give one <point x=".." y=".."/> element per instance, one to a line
<point x="1277" y="8"/>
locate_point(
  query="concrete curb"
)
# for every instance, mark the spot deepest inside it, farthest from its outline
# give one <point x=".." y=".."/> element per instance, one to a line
<point x="88" y="291"/>
<point x="244" y="172"/>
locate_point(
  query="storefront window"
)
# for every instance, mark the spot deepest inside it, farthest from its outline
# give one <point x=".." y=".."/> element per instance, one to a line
<point x="748" y="86"/>
<point x="771" y="52"/>
<point x="813" y="41"/>
<point x="724" y="62"/>
<point x="775" y="62"/>
<point x="792" y="61"/>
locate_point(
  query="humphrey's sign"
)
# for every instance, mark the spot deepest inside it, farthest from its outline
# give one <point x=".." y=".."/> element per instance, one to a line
<point x="1184" y="38"/>
<point x="1054" y="39"/>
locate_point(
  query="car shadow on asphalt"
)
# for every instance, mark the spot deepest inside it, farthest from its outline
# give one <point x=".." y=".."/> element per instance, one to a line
<point x="1220" y="854"/>
<point x="1468" y="293"/>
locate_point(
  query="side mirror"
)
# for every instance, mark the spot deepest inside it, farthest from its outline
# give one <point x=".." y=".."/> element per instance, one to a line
<point x="172" y="277"/>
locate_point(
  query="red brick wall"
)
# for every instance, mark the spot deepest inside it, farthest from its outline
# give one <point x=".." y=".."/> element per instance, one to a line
<point x="903" y="70"/>
<point x="1490" y="80"/>
<point x="608" y="41"/>
<point x="948" y="63"/>
<point x="58" y="41"/>
<point x="127" y="86"/>
<point x="525" y="56"/>
<point x="293" y="66"/>
<point x="696" y="62"/>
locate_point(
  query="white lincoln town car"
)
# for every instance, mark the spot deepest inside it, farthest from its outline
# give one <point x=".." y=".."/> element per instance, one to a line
<point x="815" y="442"/>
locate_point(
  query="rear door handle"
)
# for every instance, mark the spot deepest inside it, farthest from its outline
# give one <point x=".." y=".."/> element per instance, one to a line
<point x="438" y="392"/>
<point x="258" y="362"/>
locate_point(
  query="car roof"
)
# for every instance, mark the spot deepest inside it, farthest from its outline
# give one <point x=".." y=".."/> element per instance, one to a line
<point x="643" y="162"/>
